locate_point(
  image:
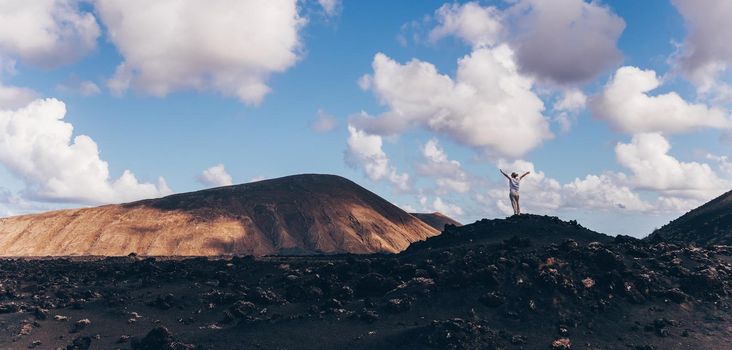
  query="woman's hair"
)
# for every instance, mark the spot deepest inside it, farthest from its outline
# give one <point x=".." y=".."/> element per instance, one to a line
<point x="514" y="174"/>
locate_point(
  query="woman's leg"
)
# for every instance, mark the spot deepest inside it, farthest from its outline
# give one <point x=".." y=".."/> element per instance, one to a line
<point x="514" y="202"/>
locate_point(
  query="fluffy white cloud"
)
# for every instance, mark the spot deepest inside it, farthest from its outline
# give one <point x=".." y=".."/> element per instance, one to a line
<point x="565" y="41"/>
<point x="477" y="25"/>
<point x="228" y="46"/>
<point x="488" y="106"/>
<point x="364" y="151"/>
<point x="602" y="192"/>
<point x="572" y="100"/>
<point x="561" y="41"/>
<point x="723" y="162"/>
<point x="439" y="205"/>
<point x="447" y="208"/>
<point x="706" y="50"/>
<point x="324" y="122"/>
<point x="215" y="176"/>
<point x="12" y="97"/>
<point x="646" y="156"/>
<point x="37" y="146"/>
<point x="541" y="193"/>
<point x="449" y="175"/>
<point x="677" y="204"/>
<point x="46" y="32"/>
<point x="567" y="108"/>
<point x="626" y="104"/>
<point x="331" y="7"/>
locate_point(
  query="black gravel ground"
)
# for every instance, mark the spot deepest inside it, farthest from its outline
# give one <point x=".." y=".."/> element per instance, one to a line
<point x="528" y="282"/>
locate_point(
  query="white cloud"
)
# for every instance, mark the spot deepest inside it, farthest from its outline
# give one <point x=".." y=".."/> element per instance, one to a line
<point x="448" y="174"/>
<point x="364" y="151"/>
<point x="567" y="108"/>
<point x="447" y="208"/>
<point x="541" y="193"/>
<point x="439" y="205"/>
<point x="646" y="156"/>
<point x="572" y="100"/>
<point x="723" y="162"/>
<point x="36" y="145"/>
<point x="602" y="192"/>
<point x="560" y="41"/>
<point x="228" y="46"/>
<point x="12" y="204"/>
<point x="48" y="33"/>
<point x="477" y="25"/>
<point x="324" y="122"/>
<point x="489" y="105"/>
<point x="12" y="97"/>
<point x="331" y="7"/>
<point x="706" y="51"/>
<point x="215" y="176"/>
<point x="565" y="41"/>
<point x="678" y="205"/>
<point x="83" y="87"/>
<point x="626" y="104"/>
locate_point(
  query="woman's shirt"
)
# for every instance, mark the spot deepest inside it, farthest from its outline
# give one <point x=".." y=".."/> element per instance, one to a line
<point x="514" y="183"/>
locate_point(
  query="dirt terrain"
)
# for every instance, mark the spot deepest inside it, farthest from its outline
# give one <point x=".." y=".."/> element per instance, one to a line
<point x="528" y="282"/>
<point x="300" y="214"/>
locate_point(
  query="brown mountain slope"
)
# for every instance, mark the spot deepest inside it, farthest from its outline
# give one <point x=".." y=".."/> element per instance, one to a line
<point x="300" y="214"/>
<point x="709" y="224"/>
<point x="436" y="220"/>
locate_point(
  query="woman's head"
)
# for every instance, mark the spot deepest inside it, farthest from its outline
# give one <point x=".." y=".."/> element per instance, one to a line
<point x="514" y="175"/>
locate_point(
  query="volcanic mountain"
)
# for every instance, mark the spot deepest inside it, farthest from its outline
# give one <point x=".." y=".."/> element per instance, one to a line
<point x="436" y="220"/>
<point x="709" y="224"/>
<point x="300" y="214"/>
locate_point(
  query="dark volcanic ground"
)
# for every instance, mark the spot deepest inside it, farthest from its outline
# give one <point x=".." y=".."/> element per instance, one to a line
<point x="527" y="282"/>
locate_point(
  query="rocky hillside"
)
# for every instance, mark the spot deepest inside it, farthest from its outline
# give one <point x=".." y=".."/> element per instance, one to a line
<point x="301" y="214"/>
<point x="436" y="220"/>
<point x="709" y="224"/>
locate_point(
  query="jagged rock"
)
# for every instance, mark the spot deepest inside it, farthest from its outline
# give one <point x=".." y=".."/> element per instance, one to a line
<point x="80" y="343"/>
<point x="159" y="338"/>
<point x="374" y="285"/>
<point x="561" y="344"/>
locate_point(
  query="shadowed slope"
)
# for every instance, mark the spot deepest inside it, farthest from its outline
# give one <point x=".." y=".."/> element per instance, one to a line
<point x="709" y="224"/>
<point x="301" y="214"/>
<point x="436" y="220"/>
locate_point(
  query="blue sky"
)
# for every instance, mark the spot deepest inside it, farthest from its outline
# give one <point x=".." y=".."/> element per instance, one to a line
<point x="187" y="111"/>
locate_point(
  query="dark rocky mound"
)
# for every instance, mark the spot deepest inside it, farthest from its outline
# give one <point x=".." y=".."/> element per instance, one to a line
<point x="436" y="220"/>
<point x="523" y="291"/>
<point x="539" y="229"/>
<point x="709" y="224"/>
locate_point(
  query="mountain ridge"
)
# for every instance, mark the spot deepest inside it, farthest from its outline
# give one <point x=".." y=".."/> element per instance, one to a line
<point x="710" y="223"/>
<point x="297" y="214"/>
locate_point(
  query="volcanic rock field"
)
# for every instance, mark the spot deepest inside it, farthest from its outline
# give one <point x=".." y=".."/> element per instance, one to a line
<point x="527" y="282"/>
